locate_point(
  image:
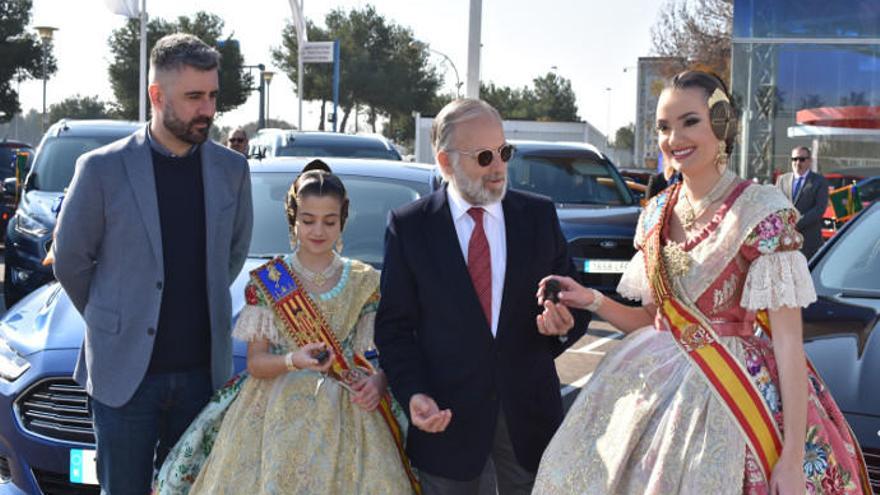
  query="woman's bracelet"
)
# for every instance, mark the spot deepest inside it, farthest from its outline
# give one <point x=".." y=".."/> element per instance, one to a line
<point x="288" y="361"/>
<point x="598" y="299"/>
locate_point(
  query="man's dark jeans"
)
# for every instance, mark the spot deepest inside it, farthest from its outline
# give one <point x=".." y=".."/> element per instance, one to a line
<point x="134" y="439"/>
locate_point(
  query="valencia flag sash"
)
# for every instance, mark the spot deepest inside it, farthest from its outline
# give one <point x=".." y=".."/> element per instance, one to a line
<point x="695" y="336"/>
<point x="304" y="323"/>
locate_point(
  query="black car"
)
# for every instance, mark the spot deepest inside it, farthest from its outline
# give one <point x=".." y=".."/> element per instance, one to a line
<point x="9" y="155"/>
<point x="278" y="142"/>
<point x="597" y="211"/>
<point x="29" y="233"/>
<point x="842" y="328"/>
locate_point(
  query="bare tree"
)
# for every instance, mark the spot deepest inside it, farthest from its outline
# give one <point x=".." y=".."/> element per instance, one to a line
<point x="698" y="32"/>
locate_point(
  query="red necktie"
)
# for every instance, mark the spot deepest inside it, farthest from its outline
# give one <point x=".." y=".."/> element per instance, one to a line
<point x="480" y="263"/>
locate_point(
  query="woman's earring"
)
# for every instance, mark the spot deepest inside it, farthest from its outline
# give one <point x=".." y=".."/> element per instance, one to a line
<point x="294" y="242"/>
<point x="339" y="245"/>
<point x="721" y="157"/>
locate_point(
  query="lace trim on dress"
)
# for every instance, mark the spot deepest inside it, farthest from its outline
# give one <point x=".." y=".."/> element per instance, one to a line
<point x="256" y="322"/>
<point x="780" y="279"/>
<point x="634" y="282"/>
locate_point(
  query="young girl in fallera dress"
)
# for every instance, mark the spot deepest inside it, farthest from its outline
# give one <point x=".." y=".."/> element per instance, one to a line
<point x="694" y="400"/>
<point x="289" y="427"/>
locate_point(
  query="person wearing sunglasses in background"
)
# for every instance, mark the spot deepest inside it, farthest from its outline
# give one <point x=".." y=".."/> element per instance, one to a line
<point x="474" y="370"/>
<point x="238" y="141"/>
<point x="808" y="192"/>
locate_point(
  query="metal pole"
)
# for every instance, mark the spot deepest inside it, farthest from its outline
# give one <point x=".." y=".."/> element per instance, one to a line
<point x="336" y="84"/>
<point x="473" y="73"/>
<point x="45" y="120"/>
<point x="299" y="70"/>
<point x="268" y="115"/>
<point x="142" y="84"/>
<point x="261" y="120"/>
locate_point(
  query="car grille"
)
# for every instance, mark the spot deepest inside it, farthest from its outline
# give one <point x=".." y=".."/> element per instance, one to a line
<point x="5" y="471"/>
<point x="872" y="459"/>
<point x="58" y="409"/>
<point x="59" y="484"/>
<point x="604" y="249"/>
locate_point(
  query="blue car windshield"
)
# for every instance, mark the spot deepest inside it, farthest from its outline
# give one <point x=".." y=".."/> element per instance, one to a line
<point x="371" y="198"/>
<point x="853" y="261"/>
<point x="338" y="151"/>
<point x="54" y="164"/>
<point x="572" y="180"/>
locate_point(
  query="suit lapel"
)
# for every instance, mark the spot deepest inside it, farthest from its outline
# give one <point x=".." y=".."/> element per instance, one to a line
<point x="138" y="162"/>
<point x="517" y="236"/>
<point x="211" y="181"/>
<point x="445" y="250"/>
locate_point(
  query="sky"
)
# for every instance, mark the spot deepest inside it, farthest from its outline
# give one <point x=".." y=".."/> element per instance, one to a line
<point x="594" y="43"/>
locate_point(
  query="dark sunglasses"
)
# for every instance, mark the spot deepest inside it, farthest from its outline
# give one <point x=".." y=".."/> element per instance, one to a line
<point x="484" y="157"/>
<point x="799" y="158"/>
<point x="236" y="140"/>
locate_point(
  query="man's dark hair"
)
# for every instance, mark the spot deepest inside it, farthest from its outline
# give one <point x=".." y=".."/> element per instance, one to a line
<point x="174" y="51"/>
<point x="805" y="149"/>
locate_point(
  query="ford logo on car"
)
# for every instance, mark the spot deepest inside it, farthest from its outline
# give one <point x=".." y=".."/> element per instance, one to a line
<point x="608" y="244"/>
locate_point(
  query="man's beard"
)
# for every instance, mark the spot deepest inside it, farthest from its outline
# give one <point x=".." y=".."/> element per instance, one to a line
<point x="186" y="131"/>
<point x="475" y="192"/>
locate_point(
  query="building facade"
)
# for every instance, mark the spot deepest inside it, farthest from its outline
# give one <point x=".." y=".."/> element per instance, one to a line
<point x="802" y="71"/>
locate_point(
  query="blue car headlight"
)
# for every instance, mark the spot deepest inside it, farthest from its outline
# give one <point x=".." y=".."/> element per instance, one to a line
<point x="27" y="225"/>
<point x="12" y="364"/>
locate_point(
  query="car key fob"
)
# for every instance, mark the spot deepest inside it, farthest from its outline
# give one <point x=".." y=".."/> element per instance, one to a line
<point x="551" y="291"/>
<point x="322" y="356"/>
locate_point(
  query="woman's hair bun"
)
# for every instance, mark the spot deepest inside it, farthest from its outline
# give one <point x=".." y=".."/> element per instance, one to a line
<point x="316" y="165"/>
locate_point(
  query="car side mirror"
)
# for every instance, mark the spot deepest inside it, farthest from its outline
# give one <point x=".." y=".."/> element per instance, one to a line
<point x="10" y="187"/>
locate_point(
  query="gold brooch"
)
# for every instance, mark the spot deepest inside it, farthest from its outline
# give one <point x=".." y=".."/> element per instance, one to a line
<point x="677" y="260"/>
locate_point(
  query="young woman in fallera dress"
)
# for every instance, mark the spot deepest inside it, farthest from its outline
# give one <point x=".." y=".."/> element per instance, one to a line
<point x="293" y="425"/>
<point x="694" y="400"/>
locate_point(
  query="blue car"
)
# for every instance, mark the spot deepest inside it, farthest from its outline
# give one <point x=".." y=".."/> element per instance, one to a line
<point x="46" y="437"/>
<point x="29" y="233"/>
<point x="597" y="211"/>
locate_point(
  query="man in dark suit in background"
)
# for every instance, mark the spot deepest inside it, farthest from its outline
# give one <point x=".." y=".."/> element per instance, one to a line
<point x="808" y="192"/>
<point x="467" y="350"/>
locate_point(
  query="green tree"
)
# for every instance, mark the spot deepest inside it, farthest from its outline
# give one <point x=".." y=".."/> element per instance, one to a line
<point x="551" y="99"/>
<point x="235" y="81"/>
<point x="80" y="107"/>
<point x="696" y="32"/>
<point x="20" y="54"/>
<point x="625" y="137"/>
<point x="384" y="70"/>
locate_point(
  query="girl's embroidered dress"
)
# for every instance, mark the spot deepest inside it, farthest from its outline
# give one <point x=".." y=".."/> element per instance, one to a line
<point x="296" y="433"/>
<point x="648" y="422"/>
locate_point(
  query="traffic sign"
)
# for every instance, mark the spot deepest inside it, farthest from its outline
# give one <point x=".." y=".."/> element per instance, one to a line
<point x="317" y="52"/>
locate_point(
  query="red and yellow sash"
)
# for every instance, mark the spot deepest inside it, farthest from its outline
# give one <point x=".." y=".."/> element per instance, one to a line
<point x="694" y="334"/>
<point x="305" y="324"/>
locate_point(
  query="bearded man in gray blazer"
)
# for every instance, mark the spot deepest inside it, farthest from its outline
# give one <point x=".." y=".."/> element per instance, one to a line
<point x="154" y="229"/>
<point x="808" y="192"/>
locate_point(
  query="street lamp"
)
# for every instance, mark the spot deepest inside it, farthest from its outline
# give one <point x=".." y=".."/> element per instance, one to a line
<point x="608" y="118"/>
<point x="267" y="76"/>
<point x="445" y="57"/>
<point x="45" y="33"/>
<point x="261" y="115"/>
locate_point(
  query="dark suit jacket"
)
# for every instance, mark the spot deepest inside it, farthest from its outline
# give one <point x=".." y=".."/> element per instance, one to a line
<point x="433" y="338"/>
<point x="811" y="202"/>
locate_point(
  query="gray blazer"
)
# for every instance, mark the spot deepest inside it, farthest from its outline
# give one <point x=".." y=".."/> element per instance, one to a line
<point x="811" y="202"/>
<point x="108" y="258"/>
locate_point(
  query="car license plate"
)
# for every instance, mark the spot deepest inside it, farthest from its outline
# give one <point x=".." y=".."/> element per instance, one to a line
<point x="83" y="467"/>
<point x="605" y="266"/>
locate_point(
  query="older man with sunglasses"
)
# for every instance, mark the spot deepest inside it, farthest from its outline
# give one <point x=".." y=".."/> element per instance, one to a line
<point x="808" y="192"/>
<point x="466" y="349"/>
<point x="238" y="141"/>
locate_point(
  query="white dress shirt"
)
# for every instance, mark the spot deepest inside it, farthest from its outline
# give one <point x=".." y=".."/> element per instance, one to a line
<point x="493" y="225"/>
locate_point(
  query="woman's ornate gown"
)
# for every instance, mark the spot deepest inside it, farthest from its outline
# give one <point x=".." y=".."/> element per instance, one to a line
<point x="298" y="433"/>
<point x="648" y="422"/>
